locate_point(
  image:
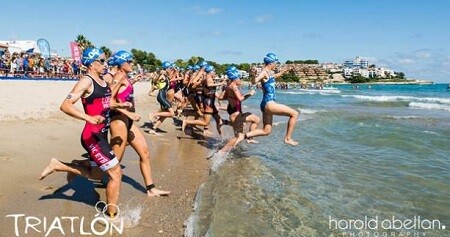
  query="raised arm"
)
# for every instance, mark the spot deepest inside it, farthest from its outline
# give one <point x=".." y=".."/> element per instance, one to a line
<point x="279" y="74"/>
<point x="259" y="77"/>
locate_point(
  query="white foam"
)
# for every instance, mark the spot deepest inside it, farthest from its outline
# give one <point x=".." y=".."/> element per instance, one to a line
<point x="391" y="98"/>
<point x="403" y="117"/>
<point x="309" y="111"/>
<point x="131" y="215"/>
<point x="429" y="106"/>
<point x="327" y="91"/>
<point x="218" y="159"/>
<point x="189" y="223"/>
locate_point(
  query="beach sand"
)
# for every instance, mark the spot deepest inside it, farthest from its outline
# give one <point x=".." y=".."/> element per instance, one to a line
<point x="34" y="130"/>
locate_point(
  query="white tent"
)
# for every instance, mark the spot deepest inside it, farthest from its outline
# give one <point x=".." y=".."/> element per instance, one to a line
<point x="20" y="46"/>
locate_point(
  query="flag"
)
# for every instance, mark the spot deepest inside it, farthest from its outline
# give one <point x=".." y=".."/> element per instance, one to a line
<point x="75" y="50"/>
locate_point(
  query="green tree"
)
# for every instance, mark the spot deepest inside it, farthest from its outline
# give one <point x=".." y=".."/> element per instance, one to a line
<point x="106" y="50"/>
<point x="195" y="59"/>
<point x="146" y="59"/>
<point x="290" y="77"/>
<point x="83" y="43"/>
<point x="244" y="66"/>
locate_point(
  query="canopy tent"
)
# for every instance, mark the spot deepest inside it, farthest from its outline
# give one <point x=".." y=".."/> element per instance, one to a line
<point x="21" y="46"/>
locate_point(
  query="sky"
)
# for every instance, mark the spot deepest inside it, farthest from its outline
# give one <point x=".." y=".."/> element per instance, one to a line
<point x="408" y="36"/>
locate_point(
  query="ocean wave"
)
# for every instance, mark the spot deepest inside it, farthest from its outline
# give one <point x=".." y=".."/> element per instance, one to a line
<point x="324" y="91"/>
<point x="403" y="117"/>
<point x="309" y="111"/>
<point x="390" y="98"/>
<point x="429" y="106"/>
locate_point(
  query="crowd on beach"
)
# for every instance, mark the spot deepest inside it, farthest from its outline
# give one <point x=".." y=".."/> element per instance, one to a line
<point x="37" y="66"/>
<point x="191" y="95"/>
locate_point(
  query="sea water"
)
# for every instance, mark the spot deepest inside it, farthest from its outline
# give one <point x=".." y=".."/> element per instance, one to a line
<point x="379" y="153"/>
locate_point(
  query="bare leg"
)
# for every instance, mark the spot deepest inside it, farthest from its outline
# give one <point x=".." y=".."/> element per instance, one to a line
<point x="139" y="144"/>
<point x="219" y="123"/>
<point x="119" y="134"/>
<point x="266" y="130"/>
<point x="200" y="122"/>
<point x="254" y="121"/>
<point x="113" y="188"/>
<point x="283" y="110"/>
<point x="228" y="146"/>
<point x="56" y="165"/>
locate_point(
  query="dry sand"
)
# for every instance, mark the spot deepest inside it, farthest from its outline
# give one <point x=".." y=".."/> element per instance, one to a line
<point x="33" y="130"/>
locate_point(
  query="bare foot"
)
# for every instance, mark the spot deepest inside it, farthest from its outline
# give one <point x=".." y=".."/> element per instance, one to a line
<point x="51" y="167"/>
<point x="183" y="126"/>
<point x="154" y="192"/>
<point x="240" y="137"/>
<point x="252" y="141"/>
<point x="291" y="142"/>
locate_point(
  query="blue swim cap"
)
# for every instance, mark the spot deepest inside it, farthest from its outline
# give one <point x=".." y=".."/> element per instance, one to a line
<point x="166" y="64"/>
<point x="231" y="68"/>
<point x="270" y="58"/>
<point x="196" y="68"/>
<point x="189" y="67"/>
<point x="203" y="64"/>
<point x="233" y="75"/>
<point x="110" y="61"/>
<point x="90" y="55"/>
<point x="121" y="57"/>
<point x="209" y="68"/>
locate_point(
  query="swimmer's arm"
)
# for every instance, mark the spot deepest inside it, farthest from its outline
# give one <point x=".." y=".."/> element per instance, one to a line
<point x="221" y="96"/>
<point x="259" y="77"/>
<point x="82" y="87"/>
<point x="136" y="79"/>
<point x="197" y="78"/>
<point x="210" y="82"/>
<point x="278" y="75"/>
<point x="133" y="116"/>
<point x="238" y="95"/>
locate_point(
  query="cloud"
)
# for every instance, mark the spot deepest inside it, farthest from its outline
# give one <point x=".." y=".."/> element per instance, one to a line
<point x="216" y="33"/>
<point x="406" y="61"/>
<point x="213" y="11"/>
<point x="423" y="53"/>
<point x="205" y="11"/>
<point x="263" y="18"/>
<point x="430" y="64"/>
<point x="313" y="36"/>
<point x="231" y="52"/>
<point x="120" y="42"/>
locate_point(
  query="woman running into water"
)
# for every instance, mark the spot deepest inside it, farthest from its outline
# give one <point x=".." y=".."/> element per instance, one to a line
<point x="166" y="107"/>
<point x="123" y="129"/>
<point x="237" y="118"/>
<point x="209" y="99"/>
<point x="192" y="90"/>
<point x="268" y="105"/>
<point x="95" y="96"/>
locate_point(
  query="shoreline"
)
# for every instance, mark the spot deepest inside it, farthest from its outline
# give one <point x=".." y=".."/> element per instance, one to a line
<point x="178" y="165"/>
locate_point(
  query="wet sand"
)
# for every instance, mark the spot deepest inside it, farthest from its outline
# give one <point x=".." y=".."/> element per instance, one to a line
<point x="34" y="130"/>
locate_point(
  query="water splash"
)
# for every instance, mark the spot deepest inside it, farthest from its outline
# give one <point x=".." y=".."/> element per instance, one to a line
<point x="131" y="215"/>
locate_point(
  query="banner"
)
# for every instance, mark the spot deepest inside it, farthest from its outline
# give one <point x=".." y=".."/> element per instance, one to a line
<point x="75" y="50"/>
<point x="44" y="47"/>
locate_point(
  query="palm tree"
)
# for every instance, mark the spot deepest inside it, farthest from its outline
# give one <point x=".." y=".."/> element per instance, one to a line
<point x="107" y="51"/>
<point x="83" y="42"/>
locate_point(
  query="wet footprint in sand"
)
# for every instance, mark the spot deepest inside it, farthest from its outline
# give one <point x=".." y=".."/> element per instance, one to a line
<point x="5" y="158"/>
